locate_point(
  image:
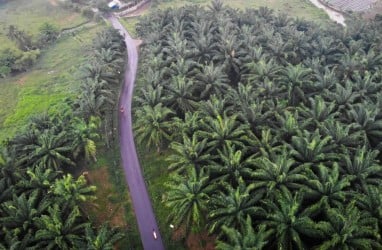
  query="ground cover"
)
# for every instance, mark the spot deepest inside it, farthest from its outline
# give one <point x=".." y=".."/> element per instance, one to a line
<point x="154" y="166"/>
<point x="156" y="175"/>
<point x="50" y="81"/>
<point x="295" y="8"/>
<point x="29" y="15"/>
<point x="113" y="203"/>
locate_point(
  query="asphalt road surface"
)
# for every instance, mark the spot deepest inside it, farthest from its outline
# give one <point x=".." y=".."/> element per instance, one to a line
<point x="138" y="192"/>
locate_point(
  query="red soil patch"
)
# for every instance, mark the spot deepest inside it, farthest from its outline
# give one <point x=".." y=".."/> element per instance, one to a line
<point x="200" y="241"/>
<point x="102" y="209"/>
<point x="53" y="2"/>
<point x="22" y="80"/>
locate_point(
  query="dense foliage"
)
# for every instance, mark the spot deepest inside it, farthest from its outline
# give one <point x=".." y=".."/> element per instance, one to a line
<point x="40" y="202"/>
<point x="274" y="126"/>
<point x="28" y="48"/>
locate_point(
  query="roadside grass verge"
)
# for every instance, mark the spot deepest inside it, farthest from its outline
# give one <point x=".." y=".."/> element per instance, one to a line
<point x="113" y="203"/>
<point x="130" y="23"/>
<point x="155" y="172"/>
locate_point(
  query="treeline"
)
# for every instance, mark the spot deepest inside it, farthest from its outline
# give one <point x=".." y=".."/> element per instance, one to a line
<point x="21" y="59"/>
<point x="40" y="202"/>
<point x="273" y="124"/>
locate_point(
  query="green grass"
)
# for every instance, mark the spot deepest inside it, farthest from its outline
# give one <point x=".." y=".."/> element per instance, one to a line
<point x="294" y="8"/>
<point x="156" y="175"/>
<point x="52" y="78"/>
<point x="129" y="24"/>
<point x="49" y="82"/>
<point x="30" y="14"/>
<point x="119" y="193"/>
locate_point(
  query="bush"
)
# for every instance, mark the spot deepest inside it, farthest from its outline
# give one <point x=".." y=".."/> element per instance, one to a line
<point x="26" y="60"/>
<point x="7" y="60"/>
<point x="87" y="12"/>
<point x="48" y="34"/>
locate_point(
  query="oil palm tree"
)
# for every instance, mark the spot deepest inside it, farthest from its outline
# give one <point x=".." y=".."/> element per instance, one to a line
<point x="367" y="119"/>
<point x="20" y="213"/>
<point x="59" y="229"/>
<point x="191" y="154"/>
<point x="341" y="134"/>
<point x="153" y="126"/>
<point x="310" y="147"/>
<point x="212" y="80"/>
<point x="71" y="191"/>
<point x="279" y="172"/>
<point x="180" y="95"/>
<point x="326" y="186"/>
<point x="231" y="206"/>
<point x="347" y="227"/>
<point x="222" y="130"/>
<point x="361" y="166"/>
<point x="38" y="178"/>
<point x="102" y="239"/>
<point x="84" y="136"/>
<point x="297" y="80"/>
<point x="371" y="201"/>
<point x="52" y="151"/>
<point x="188" y="199"/>
<point x="248" y="238"/>
<point x="289" y="221"/>
<point x="231" y="165"/>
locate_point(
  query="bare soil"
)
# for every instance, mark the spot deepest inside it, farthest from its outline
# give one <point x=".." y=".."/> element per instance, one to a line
<point x="102" y="209"/>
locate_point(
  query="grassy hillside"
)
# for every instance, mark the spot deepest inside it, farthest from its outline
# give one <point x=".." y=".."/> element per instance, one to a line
<point x="30" y="14"/>
<point x="51" y="79"/>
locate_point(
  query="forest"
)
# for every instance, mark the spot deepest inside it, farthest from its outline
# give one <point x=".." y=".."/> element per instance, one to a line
<point x="42" y="190"/>
<point x="273" y="126"/>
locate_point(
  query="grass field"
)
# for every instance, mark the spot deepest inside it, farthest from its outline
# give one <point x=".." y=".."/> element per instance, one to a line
<point x="53" y="78"/>
<point x="28" y="15"/>
<point x="295" y="8"/>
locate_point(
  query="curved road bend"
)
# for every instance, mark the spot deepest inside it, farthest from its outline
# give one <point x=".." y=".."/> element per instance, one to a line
<point x="138" y="192"/>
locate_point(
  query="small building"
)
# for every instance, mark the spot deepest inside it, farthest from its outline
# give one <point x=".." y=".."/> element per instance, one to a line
<point x="115" y="4"/>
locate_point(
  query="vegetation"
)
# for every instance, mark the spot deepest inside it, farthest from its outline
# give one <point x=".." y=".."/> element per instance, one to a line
<point x="272" y="124"/>
<point x="40" y="204"/>
<point x="22" y="44"/>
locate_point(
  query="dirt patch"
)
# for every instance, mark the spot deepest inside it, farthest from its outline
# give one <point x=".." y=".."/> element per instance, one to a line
<point x="200" y="241"/>
<point x="68" y="19"/>
<point x="22" y="80"/>
<point x="137" y="42"/>
<point x="53" y="2"/>
<point x="377" y="9"/>
<point x="108" y="206"/>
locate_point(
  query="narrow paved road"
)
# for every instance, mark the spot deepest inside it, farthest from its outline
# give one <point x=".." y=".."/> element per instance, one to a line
<point x="138" y="192"/>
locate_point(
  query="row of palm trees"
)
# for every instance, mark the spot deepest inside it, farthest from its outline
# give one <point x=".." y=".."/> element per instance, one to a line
<point x="273" y="126"/>
<point x="40" y="202"/>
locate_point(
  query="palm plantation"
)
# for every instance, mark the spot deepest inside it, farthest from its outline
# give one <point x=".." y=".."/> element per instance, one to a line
<point x="40" y="202"/>
<point x="276" y="121"/>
